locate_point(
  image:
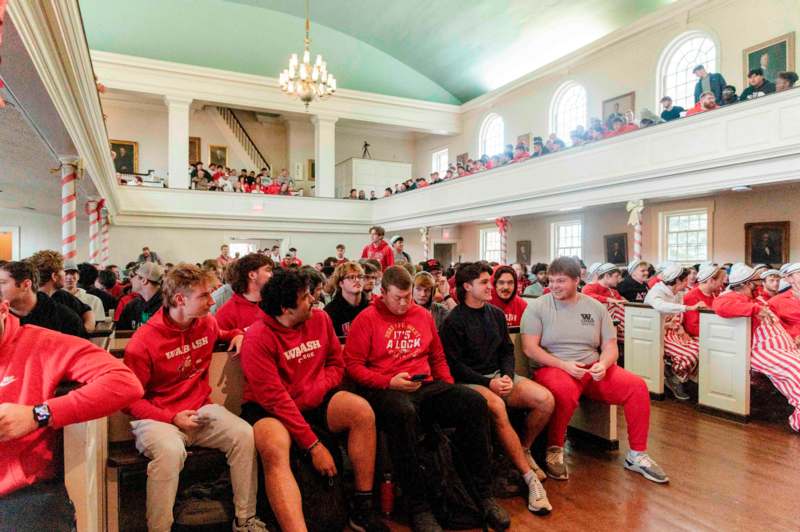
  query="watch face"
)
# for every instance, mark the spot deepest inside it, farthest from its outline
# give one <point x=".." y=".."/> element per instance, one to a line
<point x="41" y="413"/>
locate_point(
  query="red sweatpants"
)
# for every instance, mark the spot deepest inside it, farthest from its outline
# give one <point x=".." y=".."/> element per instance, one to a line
<point x="618" y="387"/>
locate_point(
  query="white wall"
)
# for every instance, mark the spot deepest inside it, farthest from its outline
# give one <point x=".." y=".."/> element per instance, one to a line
<point x="382" y="146"/>
<point x="43" y="231"/>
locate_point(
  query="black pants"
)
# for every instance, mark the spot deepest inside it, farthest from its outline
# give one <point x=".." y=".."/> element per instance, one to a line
<point x="403" y="415"/>
<point x="43" y="506"/>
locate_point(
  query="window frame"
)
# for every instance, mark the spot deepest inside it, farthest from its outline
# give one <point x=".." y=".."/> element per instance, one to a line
<point x="663" y="232"/>
<point x="666" y="56"/>
<point x="554" y="238"/>
<point x="491" y="117"/>
<point x="556" y="100"/>
<point x="484" y="233"/>
<point x="436" y="152"/>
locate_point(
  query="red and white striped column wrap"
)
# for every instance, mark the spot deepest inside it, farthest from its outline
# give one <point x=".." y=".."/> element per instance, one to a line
<point x="503" y="225"/>
<point x="105" y="254"/>
<point x="93" y="208"/>
<point x="424" y="234"/>
<point x="69" y="213"/>
<point x="635" y="209"/>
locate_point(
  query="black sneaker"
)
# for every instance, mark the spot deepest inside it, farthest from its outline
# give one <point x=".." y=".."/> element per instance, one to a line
<point x="676" y="387"/>
<point x="496" y="517"/>
<point x="366" y="522"/>
<point x="425" y="522"/>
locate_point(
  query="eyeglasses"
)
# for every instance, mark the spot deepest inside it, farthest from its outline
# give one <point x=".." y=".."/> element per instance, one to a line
<point x="354" y="278"/>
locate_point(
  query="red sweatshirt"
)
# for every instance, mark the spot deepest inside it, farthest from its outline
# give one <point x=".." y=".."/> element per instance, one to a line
<point x="787" y="307"/>
<point x="654" y="280"/>
<point x="288" y="371"/>
<point x="735" y="305"/>
<point x="238" y="313"/>
<point x="33" y="362"/>
<point x="382" y="252"/>
<point x="381" y="345"/>
<point x="513" y="308"/>
<point x="763" y="294"/>
<point x="123" y="301"/>
<point x="172" y="365"/>
<point x="691" y="318"/>
<point x="600" y="292"/>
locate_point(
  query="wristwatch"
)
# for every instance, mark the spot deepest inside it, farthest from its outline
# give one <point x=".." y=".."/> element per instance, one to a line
<point x="41" y="414"/>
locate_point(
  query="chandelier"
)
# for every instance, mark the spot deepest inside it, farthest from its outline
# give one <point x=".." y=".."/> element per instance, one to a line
<point x="305" y="80"/>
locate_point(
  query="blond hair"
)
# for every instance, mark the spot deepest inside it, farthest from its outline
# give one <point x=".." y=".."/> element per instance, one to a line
<point x="342" y="271"/>
<point x="183" y="278"/>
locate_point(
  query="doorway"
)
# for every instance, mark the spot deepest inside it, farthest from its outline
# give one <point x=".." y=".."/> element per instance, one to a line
<point x="444" y="252"/>
<point x="9" y="243"/>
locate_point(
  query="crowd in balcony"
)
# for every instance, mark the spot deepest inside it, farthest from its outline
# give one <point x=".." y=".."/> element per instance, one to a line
<point x="223" y="179"/>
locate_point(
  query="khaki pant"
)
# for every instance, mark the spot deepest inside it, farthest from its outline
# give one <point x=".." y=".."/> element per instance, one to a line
<point x="165" y="445"/>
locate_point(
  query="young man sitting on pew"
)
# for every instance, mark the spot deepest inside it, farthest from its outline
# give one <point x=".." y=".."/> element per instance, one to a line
<point x="773" y="351"/>
<point x="248" y="275"/>
<point x="770" y="284"/>
<point x="787" y="304"/>
<point x="171" y="354"/>
<point x="394" y="354"/>
<point x="505" y="295"/>
<point x="348" y="301"/>
<point x="33" y="362"/>
<point x="634" y="287"/>
<point x="571" y="339"/>
<point x="293" y="364"/>
<point x="680" y="348"/>
<point x="709" y="282"/>
<point x="604" y="290"/>
<point x="480" y="354"/>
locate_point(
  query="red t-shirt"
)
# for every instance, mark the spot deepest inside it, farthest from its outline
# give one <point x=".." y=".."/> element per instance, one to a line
<point x="513" y="308"/>
<point x="691" y="318"/>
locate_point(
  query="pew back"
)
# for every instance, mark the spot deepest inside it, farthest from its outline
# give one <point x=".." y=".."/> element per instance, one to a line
<point x="644" y="345"/>
<point x="724" y="372"/>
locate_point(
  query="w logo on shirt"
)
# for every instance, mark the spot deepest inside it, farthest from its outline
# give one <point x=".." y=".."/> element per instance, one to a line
<point x="587" y="319"/>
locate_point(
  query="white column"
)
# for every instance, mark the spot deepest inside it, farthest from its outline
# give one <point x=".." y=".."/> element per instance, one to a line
<point x="178" y="141"/>
<point x="325" y="155"/>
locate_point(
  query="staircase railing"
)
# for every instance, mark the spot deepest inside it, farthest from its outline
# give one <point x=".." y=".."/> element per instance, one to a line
<point x="244" y="139"/>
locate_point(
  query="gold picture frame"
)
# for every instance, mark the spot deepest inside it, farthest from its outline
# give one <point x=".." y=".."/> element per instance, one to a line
<point x="194" y="150"/>
<point x="218" y="154"/>
<point x="777" y="53"/>
<point x="125" y="154"/>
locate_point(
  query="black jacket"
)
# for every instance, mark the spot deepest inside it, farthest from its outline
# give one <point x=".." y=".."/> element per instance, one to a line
<point x="55" y="316"/>
<point x="476" y="343"/>
<point x="632" y="290"/>
<point x="343" y="313"/>
<point x="717" y="83"/>
<point x="767" y="88"/>
<point x="68" y="300"/>
<point x="138" y="311"/>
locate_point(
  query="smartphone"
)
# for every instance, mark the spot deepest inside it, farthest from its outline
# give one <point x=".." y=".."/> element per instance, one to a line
<point x="419" y="377"/>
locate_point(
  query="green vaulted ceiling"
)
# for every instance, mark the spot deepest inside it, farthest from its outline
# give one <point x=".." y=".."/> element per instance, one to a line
<point x="448" y="51"/>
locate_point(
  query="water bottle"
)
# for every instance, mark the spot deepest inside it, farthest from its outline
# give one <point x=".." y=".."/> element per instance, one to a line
<point x="387" y="495"/>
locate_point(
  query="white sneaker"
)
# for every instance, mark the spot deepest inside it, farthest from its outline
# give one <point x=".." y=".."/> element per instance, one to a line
<point x="554" y="463"/>
<point x="537" y="498"/>
<point x="646" y="466"/>
<point x="540" y="474"/>
<point x="254" y="524"/>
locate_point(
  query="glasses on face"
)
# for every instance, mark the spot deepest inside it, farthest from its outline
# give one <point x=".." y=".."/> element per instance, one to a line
<point x="353" y="278"/>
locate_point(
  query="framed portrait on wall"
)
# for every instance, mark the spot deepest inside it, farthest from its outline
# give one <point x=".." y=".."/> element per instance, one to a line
<point x="311" y="170"/>
<point x="775" y="55"/>
<point x="616" y="247"/>
<point x="125" y="154"/>
<point x="194" y="150"/>
<point x="767" y="243"/>
<point x="525" y="140"/>
<point x="524" y="251"/>
<point x="619" y="105"/>
<point x="218" y="155"/>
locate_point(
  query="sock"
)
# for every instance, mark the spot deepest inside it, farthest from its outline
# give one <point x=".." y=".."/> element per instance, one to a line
<point x="529" y="476"/>
<point x="634" y="454"/>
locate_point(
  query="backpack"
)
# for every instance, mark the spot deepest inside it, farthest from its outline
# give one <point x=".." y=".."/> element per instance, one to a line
<point x="449" y="488"/>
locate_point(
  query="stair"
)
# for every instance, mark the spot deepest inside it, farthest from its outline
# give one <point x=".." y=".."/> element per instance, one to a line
<point x="244" y="139"/>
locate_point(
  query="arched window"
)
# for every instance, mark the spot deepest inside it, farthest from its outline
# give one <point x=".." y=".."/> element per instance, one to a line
<point x="675" y="77"/>
<point x="490" y="141"/>
<point x="568" y="109"/>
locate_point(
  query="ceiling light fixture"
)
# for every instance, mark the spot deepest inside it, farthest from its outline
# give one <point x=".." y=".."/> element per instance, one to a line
<point x="307" y="81"/>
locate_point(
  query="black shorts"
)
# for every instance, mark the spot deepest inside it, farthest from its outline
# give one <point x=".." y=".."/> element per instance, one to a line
<point x="316" y="417"/>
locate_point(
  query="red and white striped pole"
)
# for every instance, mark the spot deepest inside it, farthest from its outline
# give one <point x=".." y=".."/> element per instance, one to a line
<point x="635" y="209"/>
<point x="94" y="230"/>
<point x="503" y="225"/>
<point x="69" y="213"/>
<point x="105" y="254"/>
<point x="425" y="237"/>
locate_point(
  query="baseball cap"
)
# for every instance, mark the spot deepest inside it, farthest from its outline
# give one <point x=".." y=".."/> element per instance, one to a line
<point x="395" y="238"/>
<point x="432" y="265"/>
<point x="70" y="266"/>
<point x="150" y="271"/>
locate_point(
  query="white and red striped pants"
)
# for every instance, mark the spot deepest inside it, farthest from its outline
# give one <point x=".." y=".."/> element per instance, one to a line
<point x="683" y="351"/>
<point x="617" y="312"/>
<point x="775" y="354"/>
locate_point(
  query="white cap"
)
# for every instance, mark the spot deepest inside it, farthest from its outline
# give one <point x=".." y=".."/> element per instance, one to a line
<point x="783" y="286"/>
<point x="783" y="268"/>
<point x="767" y="273"/>
<point x="740" y="273"/>
<point x="592" y="269"/>
<point x="671" y="272"/>
<point x="760" y="266"/>
<point x="707" y="271"/>
<point x="632" y="265"/>
<point x="661" y="266"/>
<point x="605" y="268"/>
<point x="788" y="269"/>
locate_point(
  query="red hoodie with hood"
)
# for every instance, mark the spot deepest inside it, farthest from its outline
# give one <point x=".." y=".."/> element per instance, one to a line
<point x="601" y="293"/>
<point x="380" y="251"/>
<point x="732" y="304"/>
<point x="238" y="313"/>
<point x="513" y="307"/>
<point x="289" y="370"/>
<point x="382" y="344"/>
<point x="172" y="364"/>
<point x="33" y="362"/>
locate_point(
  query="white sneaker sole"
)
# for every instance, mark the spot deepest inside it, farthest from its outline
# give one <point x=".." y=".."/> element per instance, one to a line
<point x="645" y="474"/>
<point x="539" y="511"/>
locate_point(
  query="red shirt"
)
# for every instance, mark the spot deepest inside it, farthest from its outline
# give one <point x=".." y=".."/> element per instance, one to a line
<point x="601" y="293"/>
<point x="288" y="370"/>
<point x="698" y="108"/>
<point x="238" y="313"/>
<point x="172" y="365"/>
<point x="342" y="261"/>
<point x="762" y="293"/>
<point x="116" y="290"/>
<point x="33" y="362"/>
<point x="382" y="344"/>
<point x="285" y="263"/>
<point x="124" y="300"/>
<point x="513" y="308"/>
<point x="787" y="307"/>
<point x="627" y="128"/>
<point x="691" y="318"/>
<point x="382" y="252"/>
<point x="654" y="280"/>
<point x="736" y="305"/>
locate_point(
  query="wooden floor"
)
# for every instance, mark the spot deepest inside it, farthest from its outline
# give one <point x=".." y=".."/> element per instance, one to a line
<point x="724" y="476"/>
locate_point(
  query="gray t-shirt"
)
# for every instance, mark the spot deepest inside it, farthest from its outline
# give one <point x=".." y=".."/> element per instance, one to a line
<point x="569" y="331"/>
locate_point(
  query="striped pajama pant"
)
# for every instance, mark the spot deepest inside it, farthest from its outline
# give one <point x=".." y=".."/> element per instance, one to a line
<point x="617" y="312"/>
<point x="775" y="354"/>
<point x="683" y="351"/>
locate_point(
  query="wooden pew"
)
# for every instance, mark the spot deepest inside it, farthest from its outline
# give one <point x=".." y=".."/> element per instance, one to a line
<point x="644" y="346"/>
<point x="591" y="420"/>
<point x="724" y="372"/>
<point x="85" y="453"/>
